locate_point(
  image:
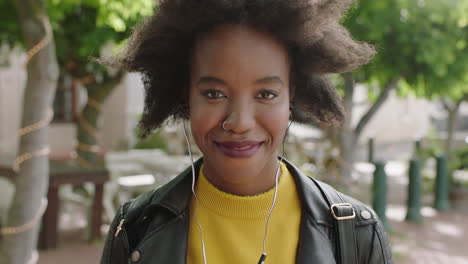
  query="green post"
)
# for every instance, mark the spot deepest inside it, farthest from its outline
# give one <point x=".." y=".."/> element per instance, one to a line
<point x="379" y="199"/>
<point x="370" y="150"/>
<point x="417" y="147"/>
<point x="441" y="202"/>
<point x="414" y="192"/>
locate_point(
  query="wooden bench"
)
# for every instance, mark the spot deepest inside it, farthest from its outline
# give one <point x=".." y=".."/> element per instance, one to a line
<point x="61" y="173"/>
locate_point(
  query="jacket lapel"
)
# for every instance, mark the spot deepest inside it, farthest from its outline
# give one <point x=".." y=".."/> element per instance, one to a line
<point x="168" y="244"/>
<point x="167" y="237"/>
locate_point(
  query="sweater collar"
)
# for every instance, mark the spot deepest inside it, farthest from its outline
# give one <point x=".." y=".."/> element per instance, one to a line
<point x="175" y="196"/>
<point x="245" y="207"/>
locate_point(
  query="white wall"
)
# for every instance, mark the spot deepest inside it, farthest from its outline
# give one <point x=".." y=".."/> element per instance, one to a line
<point x="397" y="119"/>
<point x="113" y="121"/>
<point x="62" y="138"/>
<point x="135" y="97"/>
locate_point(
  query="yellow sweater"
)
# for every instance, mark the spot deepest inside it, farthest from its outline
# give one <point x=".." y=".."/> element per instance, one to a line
<point x="233" y="226"/>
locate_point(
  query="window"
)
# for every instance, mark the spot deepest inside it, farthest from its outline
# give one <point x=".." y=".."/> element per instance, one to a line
<point x="66" y="100"/>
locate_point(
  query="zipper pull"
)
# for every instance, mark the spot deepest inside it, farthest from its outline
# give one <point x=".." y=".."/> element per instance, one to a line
<point x="119" y="228"/>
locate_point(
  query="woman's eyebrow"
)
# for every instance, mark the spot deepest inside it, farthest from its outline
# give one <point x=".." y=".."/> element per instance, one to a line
<point x="264" y="80"/>
<point x="269" y="79"/>
<point x="210" y="79"/>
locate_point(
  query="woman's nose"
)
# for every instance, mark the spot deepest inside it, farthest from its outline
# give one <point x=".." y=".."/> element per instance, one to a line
<point x="240" y="118"/>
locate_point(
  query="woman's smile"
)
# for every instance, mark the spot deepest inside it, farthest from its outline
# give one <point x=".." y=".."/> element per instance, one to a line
<point x="239" y="149"/>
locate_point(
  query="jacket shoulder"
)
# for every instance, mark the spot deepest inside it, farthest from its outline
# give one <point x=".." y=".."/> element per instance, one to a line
<point x="318" y="197"/>
<point x="370" y="233"/>
<point x="364" y="214"/>
<point x="129" y="224"/>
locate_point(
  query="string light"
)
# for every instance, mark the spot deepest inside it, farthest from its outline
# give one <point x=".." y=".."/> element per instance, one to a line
<point x="41" y="44"/>
<point x="83" y="163"/>
<point x="87" y="126"/>
<point x="28" y="225"/>
<point x="88" y="148"/>
<point x="94" y="103"/>
<point x="29" y="155"/>
<point x="36" y="126"/>
<point x="90" y="129"/>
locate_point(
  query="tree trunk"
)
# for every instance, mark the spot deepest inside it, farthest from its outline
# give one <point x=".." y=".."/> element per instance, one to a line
<point x="383" y="96"/>
<point x="347" y="138"/>
<point x="32" y="181"/>
<point x="87" y="128"/>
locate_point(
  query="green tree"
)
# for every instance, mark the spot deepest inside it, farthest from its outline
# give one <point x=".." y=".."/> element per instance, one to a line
<point x="83" y="29"/>
<point x="447" y="77"/>
<point x="415" y="41"/>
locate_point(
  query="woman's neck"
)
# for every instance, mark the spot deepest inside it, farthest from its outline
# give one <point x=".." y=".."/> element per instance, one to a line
<point x="247" y="181"/>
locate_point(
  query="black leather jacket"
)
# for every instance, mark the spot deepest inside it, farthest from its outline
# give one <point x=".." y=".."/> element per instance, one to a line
<point x="153" y="228"/>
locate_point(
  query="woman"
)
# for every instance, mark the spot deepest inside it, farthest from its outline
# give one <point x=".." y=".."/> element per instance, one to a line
<point x="240" y="72"/>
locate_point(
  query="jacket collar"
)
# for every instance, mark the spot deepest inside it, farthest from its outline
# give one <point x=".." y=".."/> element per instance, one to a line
<point x="314" y="245"/>
<point x="175" y="196"/>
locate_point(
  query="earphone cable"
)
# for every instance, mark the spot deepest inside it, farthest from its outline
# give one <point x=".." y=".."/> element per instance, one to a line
<point x="196" y="198"/>
<point x="272" y="206"/>
<point x="262" y="258"/>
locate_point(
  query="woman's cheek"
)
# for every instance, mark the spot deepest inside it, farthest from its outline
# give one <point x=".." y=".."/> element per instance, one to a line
<point x="276" y="121"/>
<point x="203" y="121"/>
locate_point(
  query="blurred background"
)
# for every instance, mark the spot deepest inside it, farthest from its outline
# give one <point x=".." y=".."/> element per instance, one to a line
<point x="70" y="154"/>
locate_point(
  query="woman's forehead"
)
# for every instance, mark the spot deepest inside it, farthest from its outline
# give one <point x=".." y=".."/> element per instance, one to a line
<point x="229" y="51"/>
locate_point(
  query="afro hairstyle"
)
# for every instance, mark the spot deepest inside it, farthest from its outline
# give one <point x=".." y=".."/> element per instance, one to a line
<point x="160" y="49"/>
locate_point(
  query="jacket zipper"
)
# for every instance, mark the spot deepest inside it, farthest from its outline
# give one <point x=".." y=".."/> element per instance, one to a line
<point x="119" y="227"/>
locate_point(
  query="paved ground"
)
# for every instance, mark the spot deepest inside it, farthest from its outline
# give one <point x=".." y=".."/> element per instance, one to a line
<point x="439" y="239"/>
<point x="72" y="250"/>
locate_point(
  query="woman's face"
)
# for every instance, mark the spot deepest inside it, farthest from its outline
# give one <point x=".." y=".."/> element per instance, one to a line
<point x="239" y="76"/>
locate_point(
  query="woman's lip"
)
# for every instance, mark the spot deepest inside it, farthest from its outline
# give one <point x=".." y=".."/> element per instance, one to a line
<point x="239" y="149"/>
<point x="239" y="144"/>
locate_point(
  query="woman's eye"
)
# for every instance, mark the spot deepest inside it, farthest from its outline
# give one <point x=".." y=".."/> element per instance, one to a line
<point x="213" y="94"/>
<point x="267" y="95"/>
